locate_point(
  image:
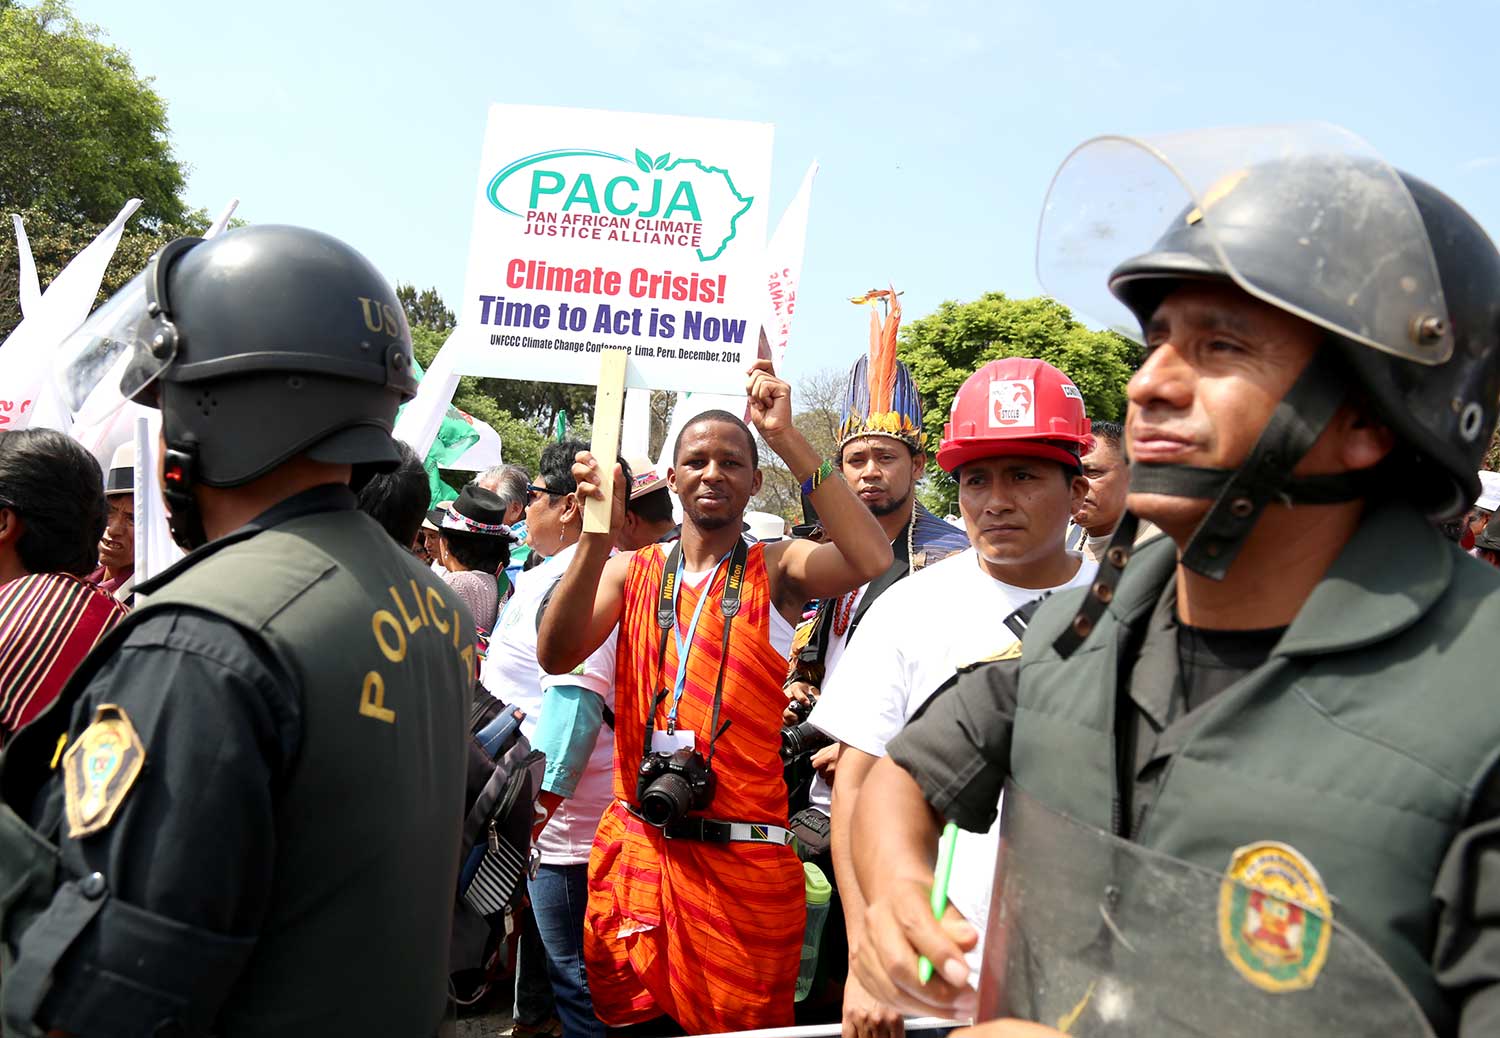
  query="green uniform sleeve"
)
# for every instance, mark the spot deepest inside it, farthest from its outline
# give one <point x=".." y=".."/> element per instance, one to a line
<point x="1466" y="955"/>
<point x="566" y="733"/>
<point x="957" y="746"/>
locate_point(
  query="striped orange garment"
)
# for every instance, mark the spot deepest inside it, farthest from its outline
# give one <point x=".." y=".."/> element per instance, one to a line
<point x="709" y="934"/>
<point x="48" y="624"/>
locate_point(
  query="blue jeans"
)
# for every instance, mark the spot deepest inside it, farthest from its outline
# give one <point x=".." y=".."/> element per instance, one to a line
<point x="534" y="1003"/>
<point x="559" y="895"/>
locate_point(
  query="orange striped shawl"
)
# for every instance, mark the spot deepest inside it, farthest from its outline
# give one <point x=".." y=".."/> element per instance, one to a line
<point x="709" y="934"/>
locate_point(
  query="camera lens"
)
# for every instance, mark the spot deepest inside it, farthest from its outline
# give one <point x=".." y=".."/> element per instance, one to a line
<point x="666" y="800"/>
<point x="804" y="738"/>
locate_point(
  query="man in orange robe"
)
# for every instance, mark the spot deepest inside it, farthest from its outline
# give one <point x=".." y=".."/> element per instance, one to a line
<point x="700" y="918"/>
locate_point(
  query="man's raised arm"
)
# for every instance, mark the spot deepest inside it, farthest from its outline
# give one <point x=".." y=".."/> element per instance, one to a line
<point x="857" y="551"/>
<point x="586" y="605"/>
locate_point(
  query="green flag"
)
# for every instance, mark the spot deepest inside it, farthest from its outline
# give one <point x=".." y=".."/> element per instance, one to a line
<point x="454" y="437"/>
<point x="561" y="430"/>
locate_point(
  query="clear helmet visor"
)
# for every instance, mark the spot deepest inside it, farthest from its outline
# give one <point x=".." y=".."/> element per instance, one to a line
<point x="119" y="340"/>
<point x="1307" y="218"/>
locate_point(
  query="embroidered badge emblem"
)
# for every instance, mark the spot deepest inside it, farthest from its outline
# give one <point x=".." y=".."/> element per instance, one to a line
<point x="1275" y="917"/>
<point x="99" y="769"/>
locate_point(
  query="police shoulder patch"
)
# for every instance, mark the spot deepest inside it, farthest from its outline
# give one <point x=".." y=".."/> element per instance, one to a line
<point x="1275" y="917"/>
<point x="99" y="769"/>
<point x="1010" y="652"/>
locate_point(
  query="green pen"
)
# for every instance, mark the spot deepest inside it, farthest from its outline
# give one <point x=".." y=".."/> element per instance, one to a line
<point x="940" y="888"/>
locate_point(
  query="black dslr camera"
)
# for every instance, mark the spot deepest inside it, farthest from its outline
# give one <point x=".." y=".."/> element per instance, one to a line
<point x="670" y="785"/>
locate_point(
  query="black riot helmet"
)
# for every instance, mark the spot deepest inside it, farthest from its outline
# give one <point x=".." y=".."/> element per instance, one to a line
<point x="1402" y="281"/>
<point x="258" y="345"/>
<point x="1443" y="412"/>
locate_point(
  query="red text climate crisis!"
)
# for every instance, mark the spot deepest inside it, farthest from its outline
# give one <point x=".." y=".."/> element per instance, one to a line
<point x="640" y="283"/>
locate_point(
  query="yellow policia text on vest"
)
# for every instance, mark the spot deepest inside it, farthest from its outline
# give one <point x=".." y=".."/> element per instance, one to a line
<point x="390" y="637"/>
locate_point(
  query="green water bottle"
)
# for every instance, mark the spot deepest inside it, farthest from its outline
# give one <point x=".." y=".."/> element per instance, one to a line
<point x="819" y="891"/>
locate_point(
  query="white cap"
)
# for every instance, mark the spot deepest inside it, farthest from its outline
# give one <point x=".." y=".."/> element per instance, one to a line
<point x="765" y="527"/>
<point x="1489" y="491"/>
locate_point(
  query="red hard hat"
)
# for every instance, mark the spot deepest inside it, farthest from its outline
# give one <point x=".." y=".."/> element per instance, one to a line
<point x="1015" y="406"/>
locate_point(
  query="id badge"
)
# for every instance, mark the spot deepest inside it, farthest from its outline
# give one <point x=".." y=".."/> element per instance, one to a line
<point x="670" y="742"/>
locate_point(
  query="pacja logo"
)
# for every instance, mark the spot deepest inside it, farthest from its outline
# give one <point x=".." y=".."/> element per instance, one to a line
<point x="648" y="194"/>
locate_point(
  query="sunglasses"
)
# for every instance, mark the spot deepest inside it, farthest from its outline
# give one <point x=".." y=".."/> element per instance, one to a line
<point x="532" y="493"/>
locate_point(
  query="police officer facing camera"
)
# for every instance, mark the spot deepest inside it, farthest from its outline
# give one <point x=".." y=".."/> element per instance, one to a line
<point x="265" y="760"/>
<point x="1251" y="781"/>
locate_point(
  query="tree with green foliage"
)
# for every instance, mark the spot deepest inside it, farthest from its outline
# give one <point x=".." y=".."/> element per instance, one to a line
<point x="948" y="345"/>
<point x="426" y="309"/>
<point x="82" y="134"/>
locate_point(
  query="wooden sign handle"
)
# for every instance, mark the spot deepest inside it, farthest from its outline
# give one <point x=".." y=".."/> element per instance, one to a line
<point x="609" y="406"/>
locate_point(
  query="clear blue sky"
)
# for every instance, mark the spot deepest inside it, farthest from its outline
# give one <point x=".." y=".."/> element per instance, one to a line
<point x="938" y="125"/>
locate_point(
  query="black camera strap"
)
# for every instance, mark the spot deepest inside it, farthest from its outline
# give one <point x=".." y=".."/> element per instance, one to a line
<point x="666" y="620"/>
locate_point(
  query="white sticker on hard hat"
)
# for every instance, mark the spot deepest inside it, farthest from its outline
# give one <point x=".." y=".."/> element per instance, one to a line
<point x="1012" y="404"/>
<point x="1071" y="391"/>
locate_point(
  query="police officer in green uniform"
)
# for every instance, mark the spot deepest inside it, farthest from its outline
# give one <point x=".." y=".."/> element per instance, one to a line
<point x="1252" y="782"/>
<point x="242" y="815"/>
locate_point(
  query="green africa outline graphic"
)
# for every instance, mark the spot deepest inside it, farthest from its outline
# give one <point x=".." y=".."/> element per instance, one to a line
<point x="663" y="163"/>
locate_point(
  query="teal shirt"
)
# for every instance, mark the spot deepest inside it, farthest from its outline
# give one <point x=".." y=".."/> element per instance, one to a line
<point x="566" y="732"/>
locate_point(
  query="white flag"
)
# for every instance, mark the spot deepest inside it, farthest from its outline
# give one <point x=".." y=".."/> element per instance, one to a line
<point x="784" y="263"/>
<point x="28" y="395"/>
<point x="106" y="419"/>
<point x="31" y="288"/>
<point x="154" y="548"/>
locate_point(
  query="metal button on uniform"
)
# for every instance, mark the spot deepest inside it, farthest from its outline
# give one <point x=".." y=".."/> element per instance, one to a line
<point x="93" y="886"/>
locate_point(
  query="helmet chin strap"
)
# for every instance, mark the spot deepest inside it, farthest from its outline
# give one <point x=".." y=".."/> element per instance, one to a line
<point x="1238" y="495"/>
<point x="179" y="477"/>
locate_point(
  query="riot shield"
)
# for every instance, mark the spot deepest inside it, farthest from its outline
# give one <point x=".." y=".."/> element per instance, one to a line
<point x="1103" y="938"/>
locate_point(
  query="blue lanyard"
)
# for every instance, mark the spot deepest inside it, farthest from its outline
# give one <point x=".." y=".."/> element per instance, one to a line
<point x="684" y="645"/>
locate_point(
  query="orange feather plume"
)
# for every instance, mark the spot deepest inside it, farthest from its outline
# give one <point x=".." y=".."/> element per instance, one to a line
<point x="883" y="352"/>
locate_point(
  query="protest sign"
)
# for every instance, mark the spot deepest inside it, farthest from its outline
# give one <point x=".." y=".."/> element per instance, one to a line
<point x="600" y="230"/>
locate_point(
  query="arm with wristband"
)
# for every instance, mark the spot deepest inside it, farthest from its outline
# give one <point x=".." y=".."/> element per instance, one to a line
<point x="857" y="550"/>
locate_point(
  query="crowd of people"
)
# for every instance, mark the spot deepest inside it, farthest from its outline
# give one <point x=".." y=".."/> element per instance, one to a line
<point x="1230" y="654"/>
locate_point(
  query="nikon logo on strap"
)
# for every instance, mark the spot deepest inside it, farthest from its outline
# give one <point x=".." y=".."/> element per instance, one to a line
<point x="731" y="603"/>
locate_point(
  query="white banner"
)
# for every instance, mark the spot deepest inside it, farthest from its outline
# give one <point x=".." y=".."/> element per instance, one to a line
<point x="27" y="394"/>
<point x="784" y="260"/>
<point x="597" y="230"/>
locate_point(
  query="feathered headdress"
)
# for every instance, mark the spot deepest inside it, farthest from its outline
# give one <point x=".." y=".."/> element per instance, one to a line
<point x="882" y="398"/>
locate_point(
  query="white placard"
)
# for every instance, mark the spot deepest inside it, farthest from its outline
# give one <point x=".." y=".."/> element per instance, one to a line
<point x="597" y="230"/>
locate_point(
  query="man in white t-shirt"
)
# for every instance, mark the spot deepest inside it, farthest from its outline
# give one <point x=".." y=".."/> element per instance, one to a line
<point x="1012" y="444"/>
<point x="882" y="454"/>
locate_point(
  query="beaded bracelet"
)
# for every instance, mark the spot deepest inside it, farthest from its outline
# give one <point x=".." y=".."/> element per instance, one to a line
<point x="814" y="481"/>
